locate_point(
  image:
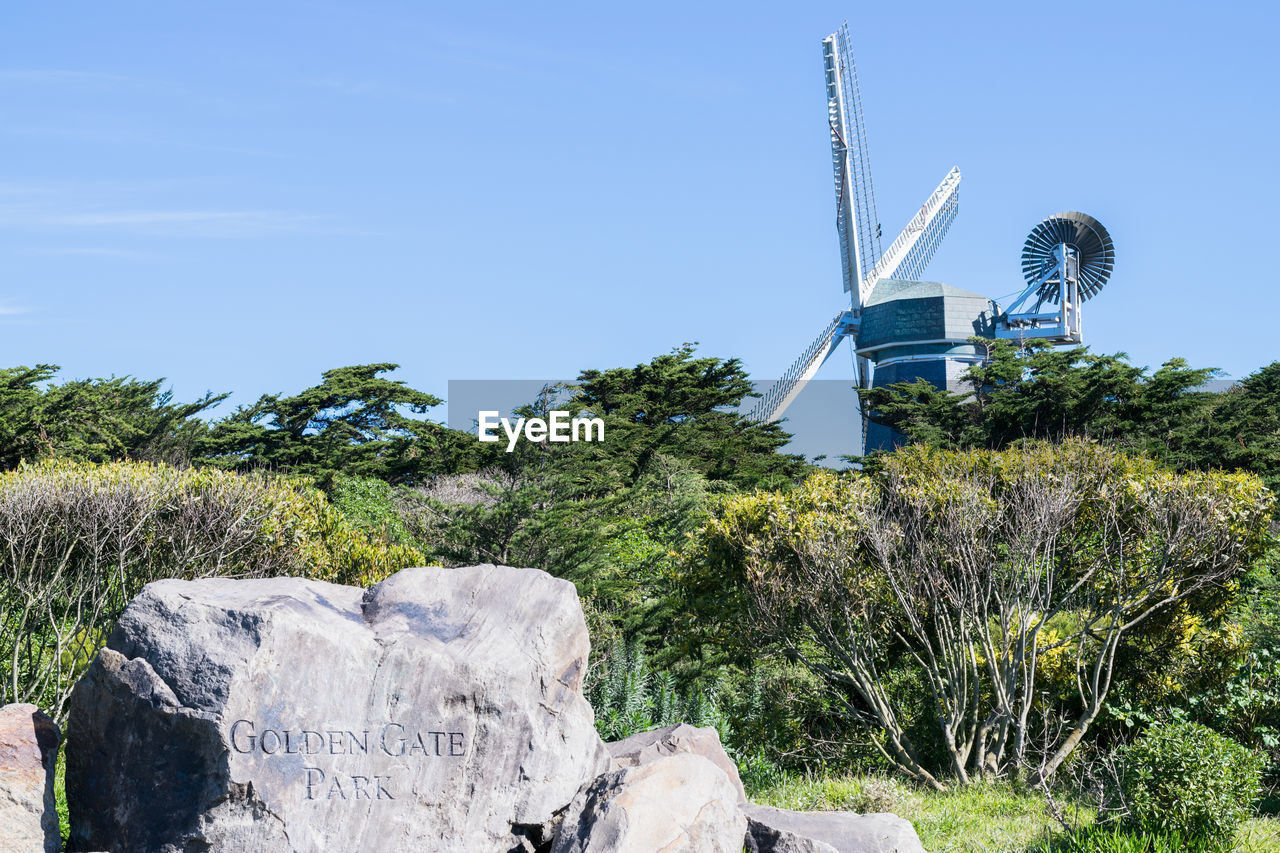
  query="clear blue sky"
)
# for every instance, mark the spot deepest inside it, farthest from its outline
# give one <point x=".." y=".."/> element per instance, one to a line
<point x="239" y="195"/>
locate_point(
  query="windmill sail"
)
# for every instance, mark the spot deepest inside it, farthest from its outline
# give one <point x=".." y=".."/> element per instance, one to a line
<point x="906" y="257"/>
<point x="862" y="260"/>
<point x="781" y="393"/>
<point x="856" y="219"/>
<point x="911" y="252"/>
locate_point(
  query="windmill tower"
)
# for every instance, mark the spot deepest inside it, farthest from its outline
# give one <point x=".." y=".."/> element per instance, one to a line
<point x="899" y="328"/>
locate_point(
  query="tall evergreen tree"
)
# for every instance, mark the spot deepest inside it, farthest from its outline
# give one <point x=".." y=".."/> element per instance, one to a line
<point x="353" y="422"/>
<point x="1043" y="392"/>
<point x="1244" y="431"/>
<point x="682" y="407"/>
<point x="94" y="420"/>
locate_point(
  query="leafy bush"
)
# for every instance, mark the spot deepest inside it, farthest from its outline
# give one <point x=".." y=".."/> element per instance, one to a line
<point x="369" y="504"/>
<point x="629" y="696"/>
<point x="960" y="570"/>
<point x="1246" y="707"/>
<point x="78" y="541"/>
<point x="1187" y="779"/>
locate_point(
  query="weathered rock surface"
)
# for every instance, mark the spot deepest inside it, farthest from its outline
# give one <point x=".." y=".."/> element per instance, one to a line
<point x="680" y="803"/>
<point x="781" y="831"/>
<point x="28" y="753"/>
<point x="440" y="710"/>
<point x="647" y="747"/>
<point x="768" y="839"/>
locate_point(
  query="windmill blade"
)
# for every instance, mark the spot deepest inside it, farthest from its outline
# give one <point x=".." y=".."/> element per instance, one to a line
<point x="910" y="253"/>
<point x="856" y="219"/>
<point x="1086" y="236"/>
<point x="775" y="401"/>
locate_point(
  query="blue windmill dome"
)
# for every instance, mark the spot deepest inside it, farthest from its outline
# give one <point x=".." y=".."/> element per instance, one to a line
<point x="922" y="316"/>
<point x="920" y="330"/>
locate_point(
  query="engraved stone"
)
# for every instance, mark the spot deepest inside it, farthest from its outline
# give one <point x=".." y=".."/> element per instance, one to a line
<point x="440" y="710"/>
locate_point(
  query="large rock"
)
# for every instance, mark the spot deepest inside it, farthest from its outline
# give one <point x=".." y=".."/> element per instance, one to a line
<point x="28" y="754"/>
<point x="440" y="710"/>
<point x="781" y="831"/>
<point x="646" y="747"/>
<point x="679" y="803"/>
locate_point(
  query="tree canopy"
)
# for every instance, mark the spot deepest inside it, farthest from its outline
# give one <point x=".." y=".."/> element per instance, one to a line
<point x="1244" y="431"/>
<point x="353" y="422"/>
<point x="1042" y="392"/>
<point x="681" y="406"/>
<point x="93" y="420"/>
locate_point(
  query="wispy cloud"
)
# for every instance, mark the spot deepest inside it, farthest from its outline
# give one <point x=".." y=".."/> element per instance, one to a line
<point x="120" y="210"/>
<point x="91" y="131"/>
<point x="92" y="191"/>
<point x="63" y="75"/>
<point x="94" y="80"/>
<point x="356" y="87"/>
<point x="251" y="220"/>
<point x="91" y="252"/>
<point x="7" y="310"/>
<point x="171" y="223"/>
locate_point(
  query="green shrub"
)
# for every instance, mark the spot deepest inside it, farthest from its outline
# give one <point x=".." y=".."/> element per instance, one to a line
<point x="78" y="541"/>
<point x="988" y="577"/>
<point x="630" y="696"/>
<point x="369" y="504"/>
<point x="1186" y="779"/>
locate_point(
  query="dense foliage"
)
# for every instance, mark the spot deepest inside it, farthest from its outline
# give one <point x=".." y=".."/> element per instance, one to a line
<point x="968" y="572"/>
<point x="1014" y="600"/>
<point x="353" y="422"/>
<point x="93" y="420"/>
<point x="679" y="406"/>
<point x="79" y="540"/>
<point x="1187" y="779"/>
<point x="1043" y="392"/>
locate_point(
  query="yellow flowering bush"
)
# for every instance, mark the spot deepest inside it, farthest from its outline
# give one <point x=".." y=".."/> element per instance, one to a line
<point x="79" y="540"/>
<point x="1010" y="585"/>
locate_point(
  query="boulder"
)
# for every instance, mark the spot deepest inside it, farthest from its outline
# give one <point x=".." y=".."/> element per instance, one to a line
<point x="766" y="839"/>
<point x="442" y="709"/>
<point x="780" y="831"/>
<point x="28" y="755"/>
<point x="649" y="746"/>
<point x="680" y="803"/>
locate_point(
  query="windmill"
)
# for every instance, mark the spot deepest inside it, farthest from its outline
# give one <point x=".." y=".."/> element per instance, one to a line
<point x="863" y="264"/>
<point x="1066" y="260"/>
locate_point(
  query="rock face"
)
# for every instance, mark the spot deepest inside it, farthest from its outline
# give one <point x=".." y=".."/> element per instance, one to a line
<point x="647" y="747"/>
<point x="680" y="803"/>
<point x="780" y="831"/>
<point x="28" y="753"/>
<point x="440" y="710"/>
<point x="766" y="839"/>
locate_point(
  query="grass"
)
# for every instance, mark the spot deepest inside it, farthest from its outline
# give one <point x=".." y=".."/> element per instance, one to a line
<point x="984" y="818"/>
<point x="60" y="793"/>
